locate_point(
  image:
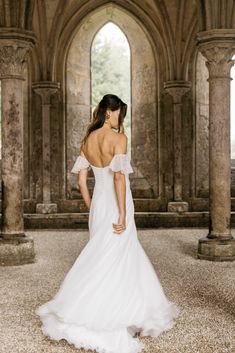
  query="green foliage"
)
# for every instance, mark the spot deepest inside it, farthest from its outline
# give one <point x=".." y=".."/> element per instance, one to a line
<point x="110" y="72"/>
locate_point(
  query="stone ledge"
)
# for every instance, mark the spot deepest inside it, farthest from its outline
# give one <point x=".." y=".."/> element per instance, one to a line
<point x="143" y="220"/>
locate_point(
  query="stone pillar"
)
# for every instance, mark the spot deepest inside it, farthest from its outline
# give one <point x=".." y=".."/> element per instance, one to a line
<point x="46" y="89"/>
<point x="177" y="89"/>
<point x="218" y="47"/>
<point x="15" y="247"/>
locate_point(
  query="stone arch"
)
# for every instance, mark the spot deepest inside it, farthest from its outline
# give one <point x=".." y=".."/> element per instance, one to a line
<point x="65" y="27"/>
<point x="168" y="55"/>
<point x="144" y="95"/>
<point x="189" y="50"/>
<point x="220" y="16"/>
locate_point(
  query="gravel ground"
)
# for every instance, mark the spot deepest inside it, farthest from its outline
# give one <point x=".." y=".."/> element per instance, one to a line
<point x="204" y="290"/>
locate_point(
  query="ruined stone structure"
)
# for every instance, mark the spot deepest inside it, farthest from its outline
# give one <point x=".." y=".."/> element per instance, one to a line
<point x="181" y="58"/>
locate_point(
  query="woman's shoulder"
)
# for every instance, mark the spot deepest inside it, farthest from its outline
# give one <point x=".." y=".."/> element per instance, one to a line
<point x="113" y="138"/>
<point x="120" y="136"/>
<point x="120" y="144"/>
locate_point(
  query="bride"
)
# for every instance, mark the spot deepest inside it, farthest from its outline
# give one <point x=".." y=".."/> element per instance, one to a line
<point x="112" y="291"/>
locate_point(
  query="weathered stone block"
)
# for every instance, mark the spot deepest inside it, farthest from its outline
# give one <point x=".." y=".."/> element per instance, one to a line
<point x="16" y="251"/>
<point x="177" y="206"/>
<point x="46" y="208"/>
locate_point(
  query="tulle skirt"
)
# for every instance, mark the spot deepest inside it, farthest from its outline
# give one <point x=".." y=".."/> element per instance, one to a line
<point x="110" y="293"/>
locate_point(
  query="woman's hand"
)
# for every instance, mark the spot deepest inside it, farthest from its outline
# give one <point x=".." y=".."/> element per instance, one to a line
<point x="121" y="225"/>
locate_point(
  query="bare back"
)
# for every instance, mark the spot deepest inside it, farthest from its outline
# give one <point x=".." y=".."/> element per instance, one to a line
<point x="102" y="144"/>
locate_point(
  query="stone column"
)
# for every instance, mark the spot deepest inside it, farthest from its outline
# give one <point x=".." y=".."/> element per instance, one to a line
<point x="177" y="90"/>
<point x="218" y="47"/>
<point x="15" y="46"/>
<point x="46" y="89"/>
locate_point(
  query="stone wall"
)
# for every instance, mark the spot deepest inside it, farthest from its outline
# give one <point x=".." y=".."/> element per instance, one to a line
<point x="163" y="48"/>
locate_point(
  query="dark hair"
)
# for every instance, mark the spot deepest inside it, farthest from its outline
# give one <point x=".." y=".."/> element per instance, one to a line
<point x="109" y="101"/>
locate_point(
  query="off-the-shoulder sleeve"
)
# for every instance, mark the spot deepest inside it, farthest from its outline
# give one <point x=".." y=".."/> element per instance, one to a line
<point x="121" y="162"/>
<point x="80" y="163"/>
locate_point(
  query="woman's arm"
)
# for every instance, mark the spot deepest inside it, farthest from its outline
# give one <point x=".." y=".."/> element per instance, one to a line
<point x="82" y="185"/>
<point x="120" y="186"/>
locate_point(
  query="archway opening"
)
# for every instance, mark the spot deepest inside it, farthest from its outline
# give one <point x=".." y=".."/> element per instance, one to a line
<point x="110" y="68"/>
<point x="141" y="87"/>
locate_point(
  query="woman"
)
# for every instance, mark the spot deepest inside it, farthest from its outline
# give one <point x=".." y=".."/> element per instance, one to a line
<point x="112" y="291"/>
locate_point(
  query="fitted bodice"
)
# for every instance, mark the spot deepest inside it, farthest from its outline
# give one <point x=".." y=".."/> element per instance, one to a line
<point x="104" y="177"/>
<point x="104" y="190"/>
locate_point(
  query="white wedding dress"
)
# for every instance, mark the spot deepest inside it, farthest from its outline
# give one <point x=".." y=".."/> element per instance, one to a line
<point x="111" y="291"/>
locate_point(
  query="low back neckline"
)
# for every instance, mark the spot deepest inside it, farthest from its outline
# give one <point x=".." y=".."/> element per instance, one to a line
<point x="117" y="154"/>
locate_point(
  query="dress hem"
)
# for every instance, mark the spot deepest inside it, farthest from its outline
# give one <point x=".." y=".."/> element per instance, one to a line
<point x="103" y="340"/>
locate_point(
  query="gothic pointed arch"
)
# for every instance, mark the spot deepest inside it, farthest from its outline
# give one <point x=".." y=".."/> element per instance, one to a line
<point x="144" y="109"/>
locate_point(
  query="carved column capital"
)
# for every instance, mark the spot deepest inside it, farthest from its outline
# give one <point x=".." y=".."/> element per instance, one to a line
<point x="177" y="89"/>
<point x="218" y="47"/>
<point x="219" y="60"/>
<point x="15" y="47"/>
<point x="46" y="89"/>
